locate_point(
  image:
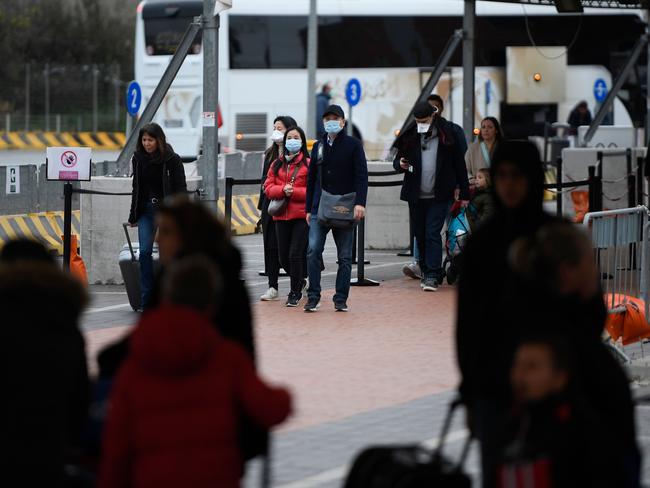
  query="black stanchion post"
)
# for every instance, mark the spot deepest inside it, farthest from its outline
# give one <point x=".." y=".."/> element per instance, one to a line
<point x="592" y="188"/>
<point x="631" y="183"/>
<point x="639" y="180"/>
<point x="67" y="223"/>
<point x="230" y="182"/>
<point x="558" y="195"/>
<point x="361" y="279"/>
<point x="409" y="253"/>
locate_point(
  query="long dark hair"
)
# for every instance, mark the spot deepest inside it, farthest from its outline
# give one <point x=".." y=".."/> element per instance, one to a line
<point x="155" y="131"/>
<point x="303" y="150"/>
<point x="497" y="127"/>
<point x="273" y="151"/>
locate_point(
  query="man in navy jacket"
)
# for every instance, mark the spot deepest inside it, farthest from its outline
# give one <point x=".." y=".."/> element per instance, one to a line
<point x="434" y="167"/>
<point x="344" y="170"/>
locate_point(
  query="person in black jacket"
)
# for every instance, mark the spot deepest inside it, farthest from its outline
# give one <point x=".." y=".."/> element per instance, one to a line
<point x="271" y="257"/>
<point x="483" y="346"/>
<point x="580" y="115"/>
<point x="45" y="380"/>
<point x="344" y="170"/>
<point x="157" y="173"/>
<point x="433" y="166"/>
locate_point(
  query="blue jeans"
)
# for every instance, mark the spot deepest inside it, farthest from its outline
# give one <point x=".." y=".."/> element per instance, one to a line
<point x="146" y="235"/>
<point x="430" y="216"/>
<point x="344" y="240"/>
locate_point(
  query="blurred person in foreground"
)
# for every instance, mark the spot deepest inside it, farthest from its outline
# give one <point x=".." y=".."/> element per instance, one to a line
<point x="432" y="162"/>
<point x="552" y="436"/>
<point x="45" y="378"/>
<point x="174" y="410"/>
<point x="556" y="286"/>
<point x="484" y="348"/>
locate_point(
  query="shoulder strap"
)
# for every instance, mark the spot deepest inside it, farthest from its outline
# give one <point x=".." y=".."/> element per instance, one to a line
<point x="295" y="171"/>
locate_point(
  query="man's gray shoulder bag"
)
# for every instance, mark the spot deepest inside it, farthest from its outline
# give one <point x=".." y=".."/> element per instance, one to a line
<point x="334" y="211"/>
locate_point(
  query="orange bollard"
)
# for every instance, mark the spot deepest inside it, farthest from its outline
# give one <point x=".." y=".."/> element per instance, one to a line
<point x="77" y="265"/>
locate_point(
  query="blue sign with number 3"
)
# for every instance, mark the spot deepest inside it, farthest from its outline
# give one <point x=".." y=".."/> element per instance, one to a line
<point x="133" y="98"/>
<point x="353" y="92"/>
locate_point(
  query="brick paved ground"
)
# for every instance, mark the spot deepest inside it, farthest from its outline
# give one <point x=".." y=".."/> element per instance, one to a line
<point x="382" y="373"/>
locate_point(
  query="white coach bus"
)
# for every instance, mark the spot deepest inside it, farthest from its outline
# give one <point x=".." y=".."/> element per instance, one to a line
<point x="390" y="46"/>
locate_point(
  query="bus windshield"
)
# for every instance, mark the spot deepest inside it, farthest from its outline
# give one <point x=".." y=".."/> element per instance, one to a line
<point x="164" y="26"/>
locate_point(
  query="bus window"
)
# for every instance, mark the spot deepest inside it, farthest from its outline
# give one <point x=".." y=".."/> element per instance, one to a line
<point x="165" y="24"/>
<point x="260" y="42"/>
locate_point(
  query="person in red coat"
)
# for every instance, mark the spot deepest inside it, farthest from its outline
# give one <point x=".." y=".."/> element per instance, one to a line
<point x="176" y="402"/>
<point x="287" y="179"/>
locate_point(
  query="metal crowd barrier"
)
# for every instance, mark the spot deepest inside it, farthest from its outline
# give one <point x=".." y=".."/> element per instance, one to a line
<point x="621" y="241"/>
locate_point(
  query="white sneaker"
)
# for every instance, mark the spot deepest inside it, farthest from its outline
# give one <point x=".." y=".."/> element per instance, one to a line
<point x="412" y="270"/>
<point x="271" y="295"/>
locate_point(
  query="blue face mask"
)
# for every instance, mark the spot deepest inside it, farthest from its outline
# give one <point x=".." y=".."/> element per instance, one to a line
<point x="332" y="126"/>
<point x="293" y="145"/>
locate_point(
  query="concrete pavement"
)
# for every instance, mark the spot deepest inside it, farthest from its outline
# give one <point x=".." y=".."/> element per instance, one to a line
<point x="381" y="374"/>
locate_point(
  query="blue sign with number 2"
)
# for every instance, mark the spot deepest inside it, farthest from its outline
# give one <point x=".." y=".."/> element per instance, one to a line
<point x="353" y="92"/>
<point x="133" y="98"/>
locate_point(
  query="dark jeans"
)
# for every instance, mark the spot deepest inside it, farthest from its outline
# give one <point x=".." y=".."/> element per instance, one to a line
<point x="292" y="246"/>
<point x="429" y="218"/>
<point x="271" y="258"/>
<point x="146" y="235"/>
<point x="344" y="240"/>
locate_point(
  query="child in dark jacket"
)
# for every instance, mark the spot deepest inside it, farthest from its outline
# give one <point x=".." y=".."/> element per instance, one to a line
<point x="552" y="439"/>
<point x="176" y="402"/>
<point x="481" y="205"/>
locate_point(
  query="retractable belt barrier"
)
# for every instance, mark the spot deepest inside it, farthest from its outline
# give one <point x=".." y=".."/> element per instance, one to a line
<point x="68" y="191"/>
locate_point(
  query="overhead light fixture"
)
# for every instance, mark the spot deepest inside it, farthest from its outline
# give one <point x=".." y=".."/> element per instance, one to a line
<point x="569" y="6"/>
<point x="537" y="77"/>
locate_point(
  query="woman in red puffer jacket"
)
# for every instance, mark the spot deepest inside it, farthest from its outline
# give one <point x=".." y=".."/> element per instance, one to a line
<point x="287" y="179"/>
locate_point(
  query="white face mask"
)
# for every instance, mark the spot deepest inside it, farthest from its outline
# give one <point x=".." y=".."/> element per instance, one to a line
<point x="423" y="128"/>
<point x="277" y="136"/>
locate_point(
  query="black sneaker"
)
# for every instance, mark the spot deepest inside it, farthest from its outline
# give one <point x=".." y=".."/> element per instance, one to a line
<point x="293" y="299"/>
<point x="341" y="306"/>
<point x="312" y="305"/>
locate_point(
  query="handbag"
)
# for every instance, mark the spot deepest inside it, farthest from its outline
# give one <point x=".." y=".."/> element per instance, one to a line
<point x="334" y="211"/>
<point x="279" y="205"/>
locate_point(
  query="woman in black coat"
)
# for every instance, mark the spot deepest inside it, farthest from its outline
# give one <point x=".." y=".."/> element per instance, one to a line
<point x="157" y="173"/>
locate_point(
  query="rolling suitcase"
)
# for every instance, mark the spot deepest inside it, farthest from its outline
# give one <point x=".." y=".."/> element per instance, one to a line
<point x="130" y="268"/>
<point x="410" y="466"/>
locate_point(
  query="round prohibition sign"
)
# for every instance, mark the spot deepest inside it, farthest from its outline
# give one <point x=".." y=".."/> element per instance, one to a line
<point x="69" y="159"/>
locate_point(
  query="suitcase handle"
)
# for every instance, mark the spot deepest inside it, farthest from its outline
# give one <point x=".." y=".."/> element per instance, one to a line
<point x="125" y="225"/>
<point x="437" y="455"/>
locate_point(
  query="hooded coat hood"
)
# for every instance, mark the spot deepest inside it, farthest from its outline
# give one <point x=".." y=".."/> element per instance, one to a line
<point x="173" y="341"/>
<point x="524" y="155"/>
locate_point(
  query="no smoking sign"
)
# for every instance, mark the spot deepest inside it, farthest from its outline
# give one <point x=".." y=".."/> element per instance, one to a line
<point x="69" y="159"/>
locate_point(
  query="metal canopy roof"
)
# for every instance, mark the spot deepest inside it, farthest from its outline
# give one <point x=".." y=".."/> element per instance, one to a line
<point x="630" y="4"/>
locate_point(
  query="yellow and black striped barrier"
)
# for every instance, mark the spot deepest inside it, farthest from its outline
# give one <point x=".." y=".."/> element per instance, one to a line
<point x="244" y="214"/>
<point x="46" y="227"/>
<point x="550" y="178"/>
<point x="107" y="141"/>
